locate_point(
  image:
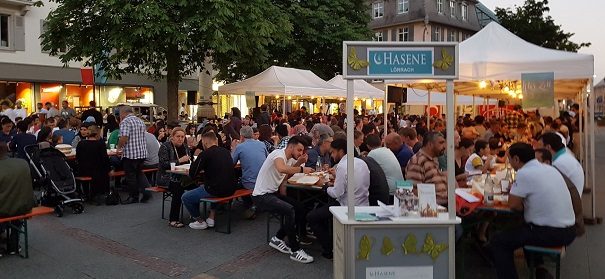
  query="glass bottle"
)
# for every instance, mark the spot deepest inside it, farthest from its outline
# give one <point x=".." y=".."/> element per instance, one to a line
<point x="318" y="164"/>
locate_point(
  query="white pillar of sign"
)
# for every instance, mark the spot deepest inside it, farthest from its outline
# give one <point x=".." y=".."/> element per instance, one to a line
<point x="350" y="120"/>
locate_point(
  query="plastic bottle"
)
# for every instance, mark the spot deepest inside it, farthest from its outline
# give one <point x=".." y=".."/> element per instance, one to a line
<point x="318" y="164"/>
<point x="488" y="191"/>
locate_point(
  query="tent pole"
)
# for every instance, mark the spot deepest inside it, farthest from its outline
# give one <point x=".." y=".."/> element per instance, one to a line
<point x="385" y="110"/>
<point x="428" y="111"/>
<point x="592" y="145"/>
<point x="350" y="120"/>
<point x="474" y="106"/>
<point x="451" y="179"/>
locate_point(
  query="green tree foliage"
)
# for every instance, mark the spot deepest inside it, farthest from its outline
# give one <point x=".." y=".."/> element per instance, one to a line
<point x="319" y="28"/>
<point x="163" y="37"/>
<point x="532" y="23"/>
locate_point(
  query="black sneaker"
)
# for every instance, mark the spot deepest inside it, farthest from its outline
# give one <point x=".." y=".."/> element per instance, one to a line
<point x="304" y="240"/>
<point x="328" y="255"/>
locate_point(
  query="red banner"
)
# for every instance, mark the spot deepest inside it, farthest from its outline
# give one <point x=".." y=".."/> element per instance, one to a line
<point x="87" y="76"/>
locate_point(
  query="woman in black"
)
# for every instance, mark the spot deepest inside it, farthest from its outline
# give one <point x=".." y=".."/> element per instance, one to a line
<point x="111" y="125"/>
<point x="174" y="151"/>
<point x="93" y="161"/>
<point x="462" y="152"/>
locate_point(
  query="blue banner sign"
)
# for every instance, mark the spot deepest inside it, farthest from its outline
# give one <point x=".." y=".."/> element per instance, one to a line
<point x="538" y="90"/>
<point x="396" y="62"/>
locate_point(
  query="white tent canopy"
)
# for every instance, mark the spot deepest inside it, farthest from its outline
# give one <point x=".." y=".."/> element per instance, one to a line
<point x="362" y="88"/>
<point x="284" y="81"/>
<point x="495" y="53"/>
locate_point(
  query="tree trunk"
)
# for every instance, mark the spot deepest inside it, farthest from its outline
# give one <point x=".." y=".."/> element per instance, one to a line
<point x="172" y="79"/>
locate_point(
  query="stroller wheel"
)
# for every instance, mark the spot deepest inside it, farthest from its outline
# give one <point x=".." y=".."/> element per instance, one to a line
<point x="77" y="208"/>
<point x="59" y="211"/>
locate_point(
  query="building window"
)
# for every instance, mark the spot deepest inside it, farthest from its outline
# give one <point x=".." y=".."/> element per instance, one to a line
<point x="4" y="36"/>
<point x="403" y="6"/>
<point x="436" y="34"/>
<point x="464" y="12"/>
<point x="452" y="36"/>
<point x="452" y="8"/>
<point x="440" y="6"/>
<point x="403" y="34"/>
<point x="378" y="9"/>
<point x="378" y="36"/>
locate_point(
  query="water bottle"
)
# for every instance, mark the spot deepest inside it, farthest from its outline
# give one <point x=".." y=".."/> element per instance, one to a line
<point x="488" y="191"/>
<point x="318" y="164"/>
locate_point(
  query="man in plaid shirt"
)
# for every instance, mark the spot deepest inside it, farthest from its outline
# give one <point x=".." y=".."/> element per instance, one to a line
<point x="423" y="167"/>
<point x="515" y="118"/>
<point x="133" y="147"/>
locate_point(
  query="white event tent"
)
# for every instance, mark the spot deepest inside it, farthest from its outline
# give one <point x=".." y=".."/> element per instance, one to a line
<point x="362" y="88"/>
<point x="283" y="81"/>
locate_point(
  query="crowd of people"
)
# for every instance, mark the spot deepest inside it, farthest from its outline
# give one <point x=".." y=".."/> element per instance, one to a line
<point x="269" y="147"/>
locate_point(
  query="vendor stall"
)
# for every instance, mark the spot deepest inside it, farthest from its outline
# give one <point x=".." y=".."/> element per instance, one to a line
<point x="419" y="245"/>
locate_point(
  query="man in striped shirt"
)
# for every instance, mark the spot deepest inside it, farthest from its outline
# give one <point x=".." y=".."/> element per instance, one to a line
<point x="133" y="147"/>
<point x="424" y="165"/>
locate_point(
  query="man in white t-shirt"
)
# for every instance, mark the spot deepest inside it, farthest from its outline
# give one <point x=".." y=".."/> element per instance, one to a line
<point x="270" y="195"/>
<point x="19" y="111"/>
<point x="564" y="160"/>
<point x="542" y="194"/>
<point x="386" y="159"/>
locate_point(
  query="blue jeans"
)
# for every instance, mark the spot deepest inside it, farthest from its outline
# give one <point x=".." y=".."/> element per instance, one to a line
<point x="191" y="200"/>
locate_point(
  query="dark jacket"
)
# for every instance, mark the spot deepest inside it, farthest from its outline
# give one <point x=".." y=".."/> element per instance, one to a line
<point x="93" y="161"/>
<point x="20" y="141"/>
<point x="215" y="165"/>
<point x="379" y="188"/>
<point x="167" y="155"/>
<point x="16" y="191"/>
<point x="263" y="118"/>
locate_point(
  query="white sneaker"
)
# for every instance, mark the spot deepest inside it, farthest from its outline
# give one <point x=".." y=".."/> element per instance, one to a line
<point x="301" y="256"/>
<point x="210" y="222"/>
<point x="279" y="245"/>
<point x="197" y="225"/>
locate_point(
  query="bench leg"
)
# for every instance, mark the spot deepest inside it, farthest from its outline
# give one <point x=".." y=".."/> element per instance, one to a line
<point x="25" y="235"/>
<point x="558" y="267"/>
<point x="268" y="225"/>
<point x="530" y="264"/>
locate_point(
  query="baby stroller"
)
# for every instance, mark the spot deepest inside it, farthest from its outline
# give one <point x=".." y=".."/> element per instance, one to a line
<point x="55" y="178"/>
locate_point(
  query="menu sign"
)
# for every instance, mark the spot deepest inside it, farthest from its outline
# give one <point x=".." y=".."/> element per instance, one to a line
<point x="427" y="200"/>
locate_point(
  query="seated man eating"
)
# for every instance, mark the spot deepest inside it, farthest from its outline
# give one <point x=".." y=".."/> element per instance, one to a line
<point x="270" y="195"/>
<point x="215" y="166"/>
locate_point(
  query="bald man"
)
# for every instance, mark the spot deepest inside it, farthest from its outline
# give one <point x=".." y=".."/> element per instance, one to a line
<point x="403" y="152"/>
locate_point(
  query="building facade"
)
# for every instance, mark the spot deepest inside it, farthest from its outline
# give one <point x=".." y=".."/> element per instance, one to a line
<point x="33" y="76"/>
<point x="427" y="20"/>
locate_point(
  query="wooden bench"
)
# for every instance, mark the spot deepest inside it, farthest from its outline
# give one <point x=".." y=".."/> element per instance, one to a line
<point x="228" y="201"/>
<point x="36" y="211"/>
<point x="166" y="194"/>
<point x="84" y="180"/>
<point x="554" y="253"/>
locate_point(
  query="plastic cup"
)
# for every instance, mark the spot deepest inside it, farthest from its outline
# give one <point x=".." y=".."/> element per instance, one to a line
<point x="112" y="146"/>
<point x="172" y="166"/>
